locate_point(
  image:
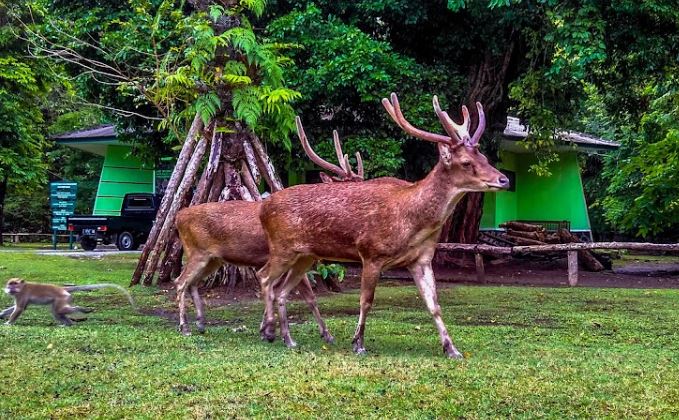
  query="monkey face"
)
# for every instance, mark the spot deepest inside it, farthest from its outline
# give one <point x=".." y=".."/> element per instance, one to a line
<point x="14" y="286"/>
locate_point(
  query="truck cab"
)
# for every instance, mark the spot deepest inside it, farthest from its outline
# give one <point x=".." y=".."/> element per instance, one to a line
<point x="127" y="231"/>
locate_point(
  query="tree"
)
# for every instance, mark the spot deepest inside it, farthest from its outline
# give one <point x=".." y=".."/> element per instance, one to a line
<point x="24" y="85"/>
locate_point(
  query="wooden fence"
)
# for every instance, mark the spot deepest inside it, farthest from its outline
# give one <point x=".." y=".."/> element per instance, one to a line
<point x="571" y="249"/>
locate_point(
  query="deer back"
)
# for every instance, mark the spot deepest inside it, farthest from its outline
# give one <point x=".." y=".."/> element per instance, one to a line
<point x="228" y="230"/>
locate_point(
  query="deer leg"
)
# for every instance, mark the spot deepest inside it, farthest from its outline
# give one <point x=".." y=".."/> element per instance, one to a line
<point x="268" y="275"/>
<point x="424" y="279"/>
<point x="191" y="273"/>
<point x="198" y="302"/>
<point x="291" y="280"/>
<point x="304" y="288"/>
<point x="369" y="278"/>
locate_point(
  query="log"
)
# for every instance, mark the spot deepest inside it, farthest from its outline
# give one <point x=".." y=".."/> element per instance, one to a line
<point x="518" y="250"/>
<point x="535" y="235"/>
<point x="210" y="172"/>
<point x="168" y="197"/>
<point x="524" y="241"/>
<point x="526" y="227"/>
<point x="572" y="268"/>
<point x="587" y="260"/>
<point x="168" y="223"/>
<point x="249" y="181"/>
<point x="252" y="161"/>
<point x="265" y="165"/>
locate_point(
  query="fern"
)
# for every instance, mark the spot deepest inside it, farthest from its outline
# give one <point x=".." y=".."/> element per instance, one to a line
<point x="246" y="105"/>
<point x="207" y="106"/>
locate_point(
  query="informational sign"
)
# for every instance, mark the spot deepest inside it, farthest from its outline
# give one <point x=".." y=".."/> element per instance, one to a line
<point x="62" y="203"/>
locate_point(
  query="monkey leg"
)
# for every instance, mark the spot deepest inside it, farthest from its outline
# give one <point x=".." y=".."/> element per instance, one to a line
<point x="60" y="311"/>
<point x="83" y="309"/>
<point x="6" y="312"/>
<point x="18" y="310"/>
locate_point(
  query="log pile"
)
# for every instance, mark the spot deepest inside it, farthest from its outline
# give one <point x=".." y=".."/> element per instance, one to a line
<point x="521" y="233"/>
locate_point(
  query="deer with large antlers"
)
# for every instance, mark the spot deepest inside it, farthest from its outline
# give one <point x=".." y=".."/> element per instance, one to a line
<point x="382" y="225"/>
<point x="230" y="232"/>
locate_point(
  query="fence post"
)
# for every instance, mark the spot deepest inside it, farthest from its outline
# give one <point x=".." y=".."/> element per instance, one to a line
<point x="572" y="268"/>
<point x="480" y="270"/>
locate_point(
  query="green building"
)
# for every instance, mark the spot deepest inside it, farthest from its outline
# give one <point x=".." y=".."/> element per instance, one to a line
<point x="121" y="173"/>
<point x="556" y="198"/>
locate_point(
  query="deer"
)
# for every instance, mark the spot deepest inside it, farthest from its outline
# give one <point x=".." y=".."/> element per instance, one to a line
<point x="382" y="225"/>
<point x="230" y="232"/>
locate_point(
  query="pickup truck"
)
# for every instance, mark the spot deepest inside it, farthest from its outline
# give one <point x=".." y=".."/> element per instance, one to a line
<point x="127" y="231"/>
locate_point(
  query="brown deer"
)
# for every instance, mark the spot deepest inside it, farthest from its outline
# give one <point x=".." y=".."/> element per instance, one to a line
<point x="230" y="232"/>
<point x="382" y="225"/>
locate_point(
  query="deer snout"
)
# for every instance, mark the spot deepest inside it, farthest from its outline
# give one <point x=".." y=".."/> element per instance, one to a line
<point x="503" y="181"/>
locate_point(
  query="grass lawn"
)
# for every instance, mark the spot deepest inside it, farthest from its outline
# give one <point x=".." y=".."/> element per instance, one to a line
<point x="553" y="352"/>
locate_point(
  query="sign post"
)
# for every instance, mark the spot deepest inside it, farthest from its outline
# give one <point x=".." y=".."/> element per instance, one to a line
<point x="62" y="204"/>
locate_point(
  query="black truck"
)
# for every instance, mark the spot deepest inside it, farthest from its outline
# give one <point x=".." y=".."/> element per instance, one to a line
<point x="127" y="231"/>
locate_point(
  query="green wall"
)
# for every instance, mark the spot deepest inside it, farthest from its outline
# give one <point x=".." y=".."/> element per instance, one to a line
<point x="120" y="175"/>
<point x="557" y="197"/>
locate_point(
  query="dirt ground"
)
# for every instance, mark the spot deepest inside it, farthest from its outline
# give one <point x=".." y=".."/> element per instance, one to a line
<point x="631" y="272"/>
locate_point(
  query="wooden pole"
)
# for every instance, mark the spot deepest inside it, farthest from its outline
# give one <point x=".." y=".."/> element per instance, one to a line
<point x="168" y="197"/>
<point x="480" y="270"/>
<point x="168" y="223"/>
<point x="572" y="268"/>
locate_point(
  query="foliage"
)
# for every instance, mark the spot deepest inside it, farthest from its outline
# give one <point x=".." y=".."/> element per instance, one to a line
<point x="547" y="352"/>
<point x="158" y="63"/>
<point x="24" y="85"/>
<point x="643" y="194"/>
<point x="337" y="271"/>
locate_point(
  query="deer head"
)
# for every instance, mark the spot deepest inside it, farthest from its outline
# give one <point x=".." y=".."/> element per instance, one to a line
<point x="343" y="173"/>
<point x="458" y="151"/>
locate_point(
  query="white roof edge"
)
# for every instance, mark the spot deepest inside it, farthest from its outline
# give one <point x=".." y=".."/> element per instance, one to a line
<point x="514" y="128"/>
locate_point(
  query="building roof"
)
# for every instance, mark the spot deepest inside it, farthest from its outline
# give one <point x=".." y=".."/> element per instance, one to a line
<point x="515" y="131"/>
<point x="94" y="140"/>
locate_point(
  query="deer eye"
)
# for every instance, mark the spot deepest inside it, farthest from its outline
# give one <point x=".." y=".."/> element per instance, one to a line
<point x="466" y="163"/>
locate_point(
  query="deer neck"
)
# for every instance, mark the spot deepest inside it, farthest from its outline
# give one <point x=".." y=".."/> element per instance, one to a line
<point x="434" y="198"/>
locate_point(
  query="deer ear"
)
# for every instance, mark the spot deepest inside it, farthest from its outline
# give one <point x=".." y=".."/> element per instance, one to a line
<point x="446" y="154"/>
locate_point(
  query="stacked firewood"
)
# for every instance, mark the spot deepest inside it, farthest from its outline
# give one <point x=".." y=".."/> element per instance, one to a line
<point x="521" y="233"/>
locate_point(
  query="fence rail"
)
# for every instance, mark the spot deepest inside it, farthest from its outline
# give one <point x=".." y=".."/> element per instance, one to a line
<point x="29" y="237"/>
<point x="571" y="249"/>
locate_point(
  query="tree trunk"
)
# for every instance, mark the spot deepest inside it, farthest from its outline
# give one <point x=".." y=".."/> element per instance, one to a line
<point x="168" y="223"/>
<point x="168" y="197"/>
<point x="3" y="194"/>
<point x="487" y="81"/>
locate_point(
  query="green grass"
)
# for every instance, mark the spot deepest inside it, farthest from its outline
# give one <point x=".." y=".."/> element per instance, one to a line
<point x="553" y="352"/>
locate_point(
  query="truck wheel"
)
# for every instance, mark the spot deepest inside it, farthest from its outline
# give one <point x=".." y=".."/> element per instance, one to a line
<point x="88" y="243"/>
<point x="126" y="242"/>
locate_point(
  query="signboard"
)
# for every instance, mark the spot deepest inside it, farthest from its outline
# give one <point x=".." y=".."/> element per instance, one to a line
<point x="62" y="202"/>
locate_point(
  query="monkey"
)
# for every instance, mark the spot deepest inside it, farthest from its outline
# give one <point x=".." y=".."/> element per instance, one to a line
<point x="25" y="293"/>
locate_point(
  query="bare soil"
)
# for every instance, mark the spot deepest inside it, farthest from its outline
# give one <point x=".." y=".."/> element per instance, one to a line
<point x="640" y="272"/>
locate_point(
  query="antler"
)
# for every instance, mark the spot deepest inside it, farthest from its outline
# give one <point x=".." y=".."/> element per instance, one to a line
<point x="461" y="132"/>
<point x="394" y="110"/>
<point x="457" y="133"/>
<point x="345" y="173"/>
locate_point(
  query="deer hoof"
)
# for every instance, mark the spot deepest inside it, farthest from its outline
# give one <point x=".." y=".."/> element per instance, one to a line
<point x="452" y="353"/>
<point x="184" y="330"/>
<point x="290" y="343"/>
<point x="200" y="327"/>
<point x="328" y="338"/>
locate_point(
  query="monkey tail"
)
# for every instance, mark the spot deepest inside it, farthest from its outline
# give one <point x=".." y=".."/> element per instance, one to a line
<point x="89" y="287"/>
